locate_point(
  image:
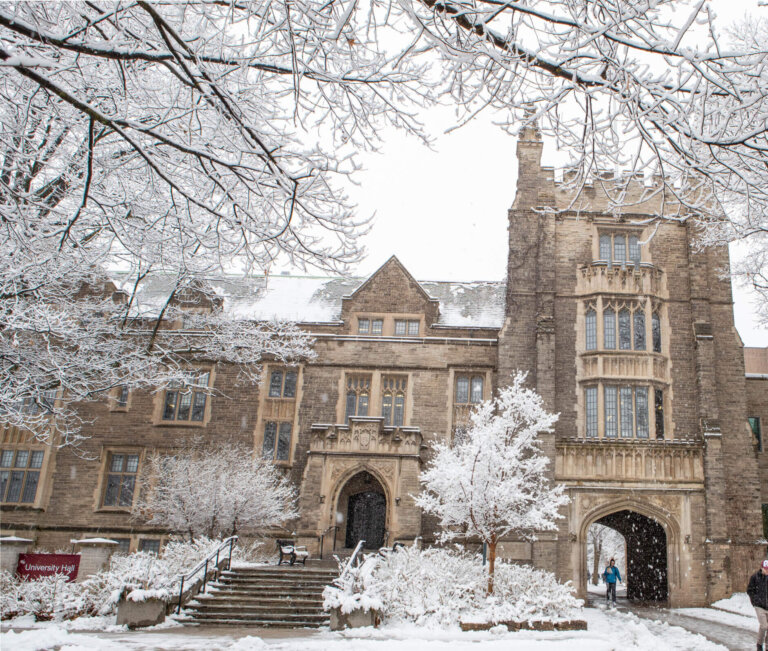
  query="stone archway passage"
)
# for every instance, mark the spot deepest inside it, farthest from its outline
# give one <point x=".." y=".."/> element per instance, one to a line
<point x="363" y="507"/>
<point x="646" y="554"/>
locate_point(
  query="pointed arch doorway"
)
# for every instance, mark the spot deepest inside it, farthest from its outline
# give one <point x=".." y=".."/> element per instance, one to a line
<point x="362" y="511"/>
<point x="647" y="572"/>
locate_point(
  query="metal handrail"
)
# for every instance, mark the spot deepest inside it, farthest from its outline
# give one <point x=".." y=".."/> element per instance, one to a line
<point x="335" y="528"/>
<point x="352" y="558"/>
<point x="229" y="542"/>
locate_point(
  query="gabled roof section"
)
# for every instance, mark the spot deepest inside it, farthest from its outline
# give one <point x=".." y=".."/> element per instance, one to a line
<point x="391" y="289"/>
<point x="390" y="268"/>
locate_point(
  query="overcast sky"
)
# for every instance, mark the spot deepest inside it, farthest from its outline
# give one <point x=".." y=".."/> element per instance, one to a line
<point x="443" y="212"/>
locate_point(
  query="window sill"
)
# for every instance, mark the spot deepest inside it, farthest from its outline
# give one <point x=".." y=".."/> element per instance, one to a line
<point x="180" y="423"/>
<point x="113" y="509"/>
<point x="15" y="506"/>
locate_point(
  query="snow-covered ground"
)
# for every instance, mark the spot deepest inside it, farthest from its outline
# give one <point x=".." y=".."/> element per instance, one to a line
<point x="608" y="629"/>
<point x="734" y="611"/>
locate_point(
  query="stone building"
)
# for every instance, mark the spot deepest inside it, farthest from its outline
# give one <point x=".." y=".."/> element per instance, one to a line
<point x="629" y="337"/>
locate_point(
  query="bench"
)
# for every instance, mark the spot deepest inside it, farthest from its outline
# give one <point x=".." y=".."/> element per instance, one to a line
<point x="290" y="552"/>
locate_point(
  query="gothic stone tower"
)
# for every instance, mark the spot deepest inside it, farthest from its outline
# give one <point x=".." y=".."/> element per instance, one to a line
<point x="631" y="339"/>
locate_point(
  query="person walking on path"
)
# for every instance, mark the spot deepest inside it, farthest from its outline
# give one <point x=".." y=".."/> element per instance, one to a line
<point x="610" y="576"/>
<point x="758" y="595"/>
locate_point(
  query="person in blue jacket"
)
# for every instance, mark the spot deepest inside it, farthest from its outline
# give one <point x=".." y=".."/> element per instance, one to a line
<point x="610" y="576"/>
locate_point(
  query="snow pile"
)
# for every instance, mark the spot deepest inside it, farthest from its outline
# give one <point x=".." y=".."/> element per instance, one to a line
<point x="737" y="603"/>
<point x="441" y="587"/>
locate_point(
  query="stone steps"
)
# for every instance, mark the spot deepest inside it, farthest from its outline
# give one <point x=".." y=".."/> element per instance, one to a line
<point x="284" y="596"/>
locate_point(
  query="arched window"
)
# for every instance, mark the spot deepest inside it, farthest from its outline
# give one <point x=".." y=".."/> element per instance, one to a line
<point x="358" y="393"/>
<point x="393" y="400"/>
<point x="656" y="332"/>
<point x="639" y="329"/>
<point x="625" y="330"/>
<point x="590" y="326"/>
<point x="609" y="329"/>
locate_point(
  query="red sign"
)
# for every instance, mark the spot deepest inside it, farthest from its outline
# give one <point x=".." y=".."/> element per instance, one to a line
<point x="33" y="566"/>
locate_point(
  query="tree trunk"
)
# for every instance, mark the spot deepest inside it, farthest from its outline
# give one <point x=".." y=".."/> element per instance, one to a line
<point x="597" y="553"/>
<point x="491" y="565"/>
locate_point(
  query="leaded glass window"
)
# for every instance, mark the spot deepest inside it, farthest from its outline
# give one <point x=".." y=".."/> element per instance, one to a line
<point x="20" y="475"/>
<point x="462" y="389"/>
<point x="609" y="329"/>
<point x="634" y="249"/>
<point x="591" y="329"/>
<point x="358" y="396"/>
<point x="658" y="405"/>
<point x="625" y="330"/>
<point x="476" y="394"/>
<point x="121" y="479"/>
<point x="186" y="401"/>
<point x="590" y="398"/>
<point x="619" y="249"/>
<point x="605" y="248"/>
<point x="627" y="415"/>
<point x="282" y="384"/>
<point x="611" y="411"/>
<point x="639" y="325"/>
<point x="656" y="332"/>
<point x="641" y="412"/>
<point x="393" y="400"/>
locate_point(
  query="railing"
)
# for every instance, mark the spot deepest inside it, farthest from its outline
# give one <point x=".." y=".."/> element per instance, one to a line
<point x="335" y="528"/>
<point x="203" y="565"/>
<point x="352" y="558"/>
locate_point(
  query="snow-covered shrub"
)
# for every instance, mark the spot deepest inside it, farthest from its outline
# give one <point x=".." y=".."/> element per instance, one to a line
<point x="10" y="604"/>
<point x="46" y="597"/>
<point x="442" y="587"/>
<point x="137" y="576"/>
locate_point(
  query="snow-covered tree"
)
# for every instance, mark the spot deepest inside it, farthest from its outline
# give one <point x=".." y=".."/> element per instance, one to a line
<point x="493" y="481"/>
<point x="190" y="138"/>
<point x="603" y="544"/>
<point x="213" y="491"/>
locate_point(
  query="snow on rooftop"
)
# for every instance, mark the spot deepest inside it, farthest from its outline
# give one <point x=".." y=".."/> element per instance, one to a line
<point x="315" y="299"/>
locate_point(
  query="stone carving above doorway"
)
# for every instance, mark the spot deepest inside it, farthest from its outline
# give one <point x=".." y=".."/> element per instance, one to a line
<point x="366" y="435"/>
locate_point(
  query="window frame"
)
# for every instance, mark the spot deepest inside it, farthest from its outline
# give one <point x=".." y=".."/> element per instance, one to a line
<point x="279" y="436"/>
<point x="26" y="471"/>
<point x="618" y="410"/>
<point x="194" y="392"/>
<point x="615" y="242"/>
<point x="394" y="393"/>
<point x="470" y="378"/>
<point x="284" y="374"/>
<point x="107" y="472"/>
<point x="359" y="392"/>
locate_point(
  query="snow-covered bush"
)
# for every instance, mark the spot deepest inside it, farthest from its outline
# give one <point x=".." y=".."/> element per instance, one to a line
<point x="10" y="605"/>
<point x="442" y="587"/>
<point x="137" y="576"/>
<point x="45" y="597"/>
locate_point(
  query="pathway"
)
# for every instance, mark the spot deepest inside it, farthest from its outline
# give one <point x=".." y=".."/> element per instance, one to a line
<point x="731" y="637"/>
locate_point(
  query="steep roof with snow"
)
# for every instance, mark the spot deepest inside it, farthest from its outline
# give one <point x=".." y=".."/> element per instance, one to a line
<point x="315" y="299"/>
